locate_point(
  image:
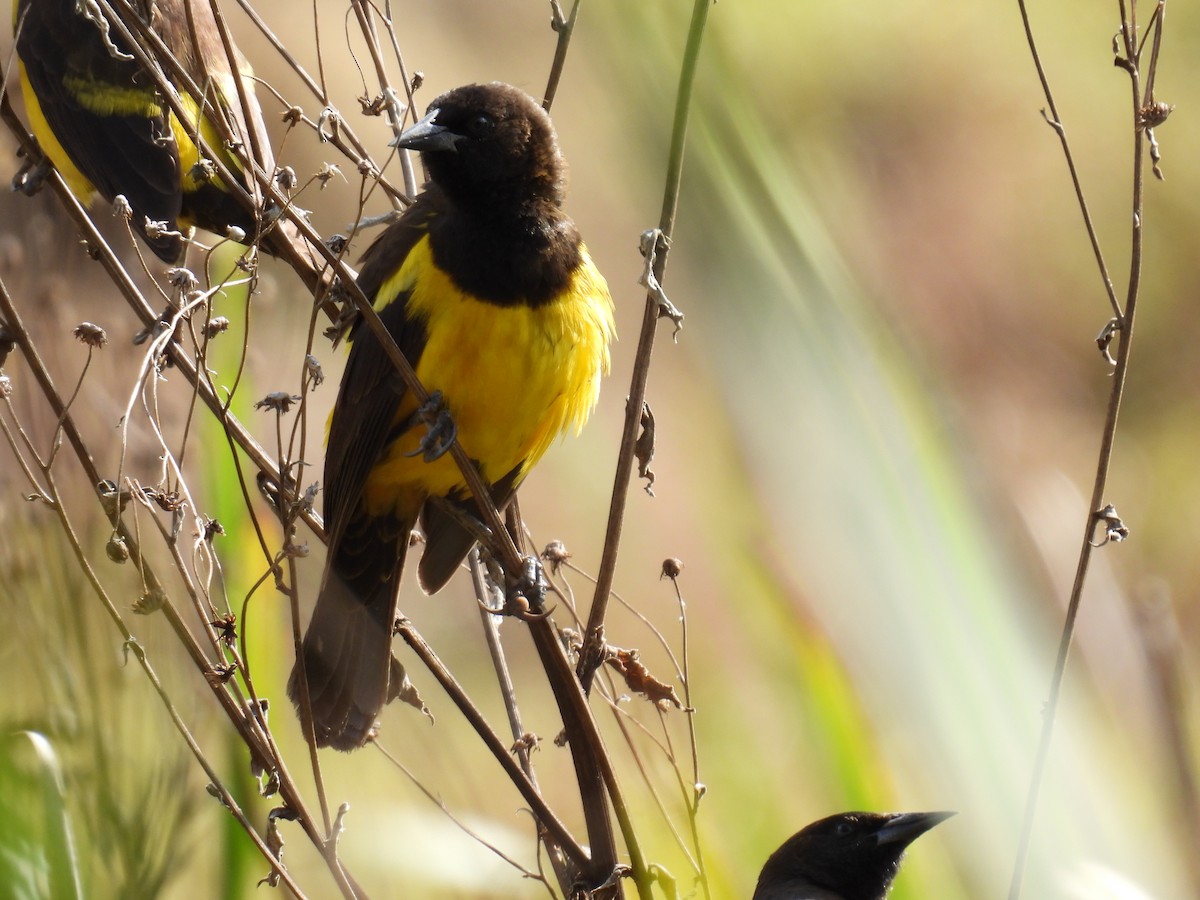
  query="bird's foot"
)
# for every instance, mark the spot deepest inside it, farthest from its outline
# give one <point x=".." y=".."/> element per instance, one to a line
<point x="526" y="596"/>
<point x="31" y="177"/>
<point x="442" y="430"/>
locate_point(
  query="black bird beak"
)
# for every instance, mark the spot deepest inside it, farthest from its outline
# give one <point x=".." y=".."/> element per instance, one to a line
<point x="426" y="136"/>
<point x="904" y="828"/>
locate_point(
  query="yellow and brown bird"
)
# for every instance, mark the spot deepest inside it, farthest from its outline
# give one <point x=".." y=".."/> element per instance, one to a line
<point x="849" y="856"/>
<point x="102" y="120"/>
<point x="489" y="292"/>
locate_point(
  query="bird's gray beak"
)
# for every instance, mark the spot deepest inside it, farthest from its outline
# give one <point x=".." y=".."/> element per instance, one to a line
<point x="907" y="827"/>
<point x="426" y="136"/>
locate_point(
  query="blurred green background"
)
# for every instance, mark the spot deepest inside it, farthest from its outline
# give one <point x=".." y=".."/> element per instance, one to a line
<point x="876" y="439"/>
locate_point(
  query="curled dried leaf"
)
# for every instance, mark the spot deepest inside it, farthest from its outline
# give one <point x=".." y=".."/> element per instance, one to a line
<point x="639" y="680"/>
<point x="643" y="449"/>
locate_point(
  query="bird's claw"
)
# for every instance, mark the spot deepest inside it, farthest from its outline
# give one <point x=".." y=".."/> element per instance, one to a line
<point x="31" y="177"/>
<point x="527" y="595"/>
<point x="442" y="431"/>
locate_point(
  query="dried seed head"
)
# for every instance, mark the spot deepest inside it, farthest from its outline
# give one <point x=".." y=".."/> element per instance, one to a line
<point x="278" y="401"/>
<point x="313" y="371"/>
<point x="556" y="553"/>
<point x="91" y="334"/>
<point x="216" y="325"/>
<point x="204" y="170"/>
<point x="117" y="549"/>
<point x="1154" y="114"/>
<point x="328" y="170"/>
<point x="151" y="601"/>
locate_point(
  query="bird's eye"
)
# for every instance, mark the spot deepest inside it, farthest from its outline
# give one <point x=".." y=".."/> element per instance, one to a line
<point x="481" y="125"/>
<point x="843" y="829"/>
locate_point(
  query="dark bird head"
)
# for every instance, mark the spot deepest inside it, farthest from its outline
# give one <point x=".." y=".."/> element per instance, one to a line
<point x="850" y="856"/>
<point x="489" y="146"/>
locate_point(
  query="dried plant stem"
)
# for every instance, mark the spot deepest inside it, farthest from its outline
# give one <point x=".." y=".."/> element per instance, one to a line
<point x="139" y="653"/>
<point x="491" y="636"/>
<point x="498" y="748"/>
<point x="441" y="805"/>
<point x="1108" y="437"/>
<point x="66" y="426"/>
<point x="344" y="138"/>
<point x="565" y="27"/>
<point x="590" y="657"/>
<point x="695" y="793"/>
<point x="1056" y="123"/>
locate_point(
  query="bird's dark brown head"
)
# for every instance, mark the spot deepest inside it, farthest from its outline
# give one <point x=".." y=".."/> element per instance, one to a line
<point x="850" y="856"/>
<point x="489" y="146"/>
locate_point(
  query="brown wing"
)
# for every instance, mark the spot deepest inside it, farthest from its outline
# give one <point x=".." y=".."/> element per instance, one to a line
<point x="371" y="390"/>
<point x="347" y="649"/>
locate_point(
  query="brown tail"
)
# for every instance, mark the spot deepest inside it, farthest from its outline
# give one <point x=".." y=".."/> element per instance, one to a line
<point x="347" y="650"/>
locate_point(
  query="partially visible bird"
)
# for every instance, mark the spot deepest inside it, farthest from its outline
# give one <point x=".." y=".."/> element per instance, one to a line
<point x="849" y="856"/>
<point x="489" y="292"/>
<point x="102" y="121"/>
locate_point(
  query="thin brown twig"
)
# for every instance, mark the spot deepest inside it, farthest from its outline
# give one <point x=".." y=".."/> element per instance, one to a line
<point x="344" y="139"/>
<point x="564" y="27"/>
<point x="624" y="719"/>
<point x="594" y="636"/>
<point x="697" y="789"/>
<point x="594" y="775"/>
<point x="459" y="823"/>
<point x="1096" y="513"/>
<point x="1055" y="122"/>
<point x="139" y="653"/>
<point x="497" y="747"/>
<point x="488" y="612"/>
<point x="66" y="426"/>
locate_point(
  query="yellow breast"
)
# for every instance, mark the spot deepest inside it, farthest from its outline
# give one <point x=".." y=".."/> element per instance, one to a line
<point x="513" y="377"/>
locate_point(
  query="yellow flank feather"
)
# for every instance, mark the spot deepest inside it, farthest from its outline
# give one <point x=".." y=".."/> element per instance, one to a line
<point x="79" y="183"/>
<point x="514" y="377"/>
<point x="225" y="93"/>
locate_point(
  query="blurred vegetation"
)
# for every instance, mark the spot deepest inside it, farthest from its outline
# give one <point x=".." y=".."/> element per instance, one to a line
<point x="876" y="437"/>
